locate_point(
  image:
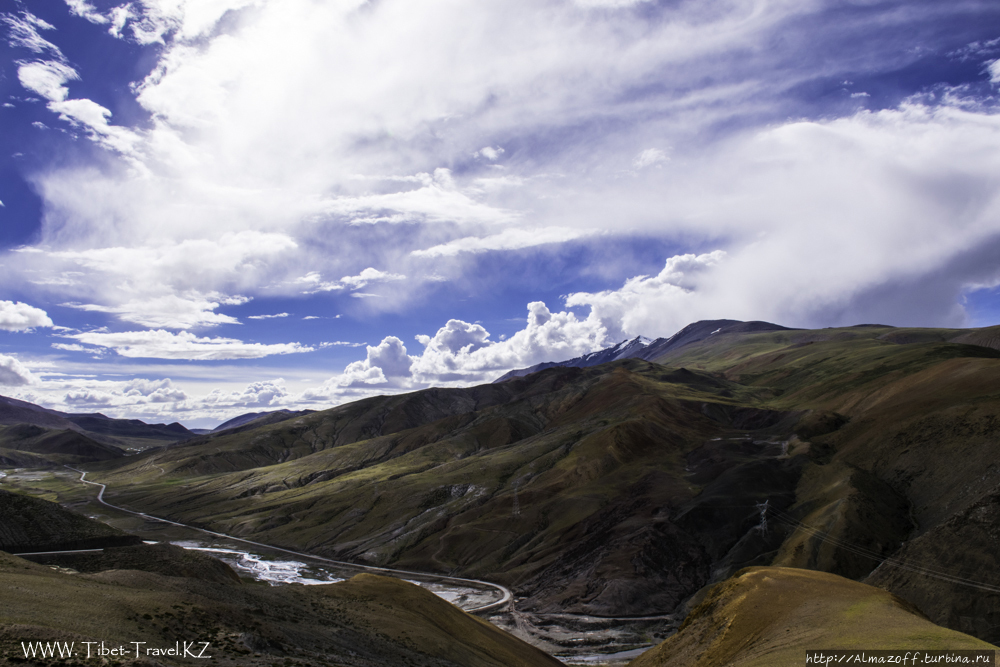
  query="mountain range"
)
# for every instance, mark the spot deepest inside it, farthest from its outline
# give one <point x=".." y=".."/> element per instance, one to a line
<point x="641" y="483"/>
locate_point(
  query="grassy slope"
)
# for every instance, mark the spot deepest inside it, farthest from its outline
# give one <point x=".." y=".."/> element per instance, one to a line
<point x="769" y="617"/>
<point x="31" y="524"/>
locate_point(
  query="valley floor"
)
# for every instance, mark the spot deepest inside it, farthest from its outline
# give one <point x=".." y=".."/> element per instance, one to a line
<point x="574" y="639"/>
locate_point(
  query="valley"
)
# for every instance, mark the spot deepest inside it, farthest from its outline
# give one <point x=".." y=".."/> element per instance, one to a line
<point x="616" y="500"/>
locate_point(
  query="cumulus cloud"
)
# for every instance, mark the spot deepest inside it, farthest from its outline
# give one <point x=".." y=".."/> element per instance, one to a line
<point x="160" y="344"/>
<point x="15" y="316"/>
<point x="654" y="304"/>
<point x="462" y="352"/>
<point x="387" y="362"/>
<point x="262" y="394"/>
<point x="13" y="373"/>
<point x="133" y="393"/>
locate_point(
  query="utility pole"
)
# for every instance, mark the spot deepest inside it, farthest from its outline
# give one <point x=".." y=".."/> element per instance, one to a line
<point x="762" y="508"/>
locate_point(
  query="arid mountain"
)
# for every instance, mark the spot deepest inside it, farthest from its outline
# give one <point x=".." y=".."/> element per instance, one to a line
<point x="33" y="436"/>
<point x="255" y="419"/>
<point x="626" y="488"/>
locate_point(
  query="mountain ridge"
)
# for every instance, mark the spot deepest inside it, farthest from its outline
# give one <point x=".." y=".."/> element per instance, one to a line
<point x="641" y="347"/>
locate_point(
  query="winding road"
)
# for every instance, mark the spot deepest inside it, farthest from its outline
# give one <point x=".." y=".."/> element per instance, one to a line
<point x="506" y="596"/>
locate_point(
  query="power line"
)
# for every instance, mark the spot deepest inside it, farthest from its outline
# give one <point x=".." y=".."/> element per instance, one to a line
<point x="892" y="562"/>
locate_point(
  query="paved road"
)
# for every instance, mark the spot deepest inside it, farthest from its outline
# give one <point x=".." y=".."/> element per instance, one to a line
<point x="506" y="596"/>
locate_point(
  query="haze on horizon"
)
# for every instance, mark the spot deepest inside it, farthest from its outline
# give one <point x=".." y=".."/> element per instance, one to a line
<point x="211" y="207"/>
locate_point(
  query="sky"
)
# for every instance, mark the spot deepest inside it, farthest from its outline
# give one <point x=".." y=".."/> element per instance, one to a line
<point x="214" y="207"/>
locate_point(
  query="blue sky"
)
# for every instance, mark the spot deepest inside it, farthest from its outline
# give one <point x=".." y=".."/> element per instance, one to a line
<point x="212" y="207"/>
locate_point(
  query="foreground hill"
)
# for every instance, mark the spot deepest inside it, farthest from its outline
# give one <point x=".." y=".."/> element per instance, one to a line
<point x="31" y="524"/>
<point x="625" y="488"/>
<point x="770" y="616"/>
<point x="368" y="621"/>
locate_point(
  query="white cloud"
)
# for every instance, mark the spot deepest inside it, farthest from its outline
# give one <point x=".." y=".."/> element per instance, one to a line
<point x="490" y="153"/>
<point x="15" y="316"/>
<point x="47" y="78"/>
<point x="13" y="373"/>
<point x="994" y="69"/>
<point x="133" y="393"/>
<point x="386" y="364"/>
<point x="176" y="285"/>
<point x="160" y="344"/>
<point x="262" y="394"/>
<point x="315" y="283"/>
<point x="118" y="17"/>
<point x="267" y="317"/>
<point x="657" y="303"/>
<point x="611" y="4"/>
<point x="84" y="9"/>
<point x="462" y="352"/>
<point x="24" y="33"/>
<point x="73" y="347"/>
<point x="509" y="239"/>
<point x="649" y="157"/>
<point x="170" y="311"/>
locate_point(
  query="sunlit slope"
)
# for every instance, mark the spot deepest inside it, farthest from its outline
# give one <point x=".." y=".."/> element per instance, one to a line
<point x="367" y="621"/>
<point x="769" y="617"/>
<point x="574" y="490"/>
